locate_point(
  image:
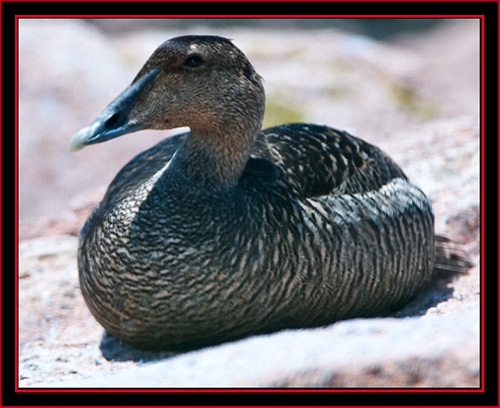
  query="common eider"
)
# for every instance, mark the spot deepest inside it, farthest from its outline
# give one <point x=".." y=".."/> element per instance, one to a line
<point x="228" y="230"/>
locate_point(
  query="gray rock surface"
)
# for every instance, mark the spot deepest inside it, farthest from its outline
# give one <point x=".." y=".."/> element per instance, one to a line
<point x="423" y="352"/>
<point x="417" y="98"/>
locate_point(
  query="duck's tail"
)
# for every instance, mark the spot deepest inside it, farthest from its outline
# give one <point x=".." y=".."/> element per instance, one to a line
<point x="450" y="258"/>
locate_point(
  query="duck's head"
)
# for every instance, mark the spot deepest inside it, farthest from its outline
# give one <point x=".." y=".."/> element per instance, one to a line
<point x="203" y="82"/>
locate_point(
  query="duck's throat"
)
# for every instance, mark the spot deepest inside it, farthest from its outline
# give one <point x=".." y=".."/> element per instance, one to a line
<point x="215" y="161"/>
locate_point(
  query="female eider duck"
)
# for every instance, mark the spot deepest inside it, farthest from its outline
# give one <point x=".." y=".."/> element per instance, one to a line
<point x="229" y="230"/>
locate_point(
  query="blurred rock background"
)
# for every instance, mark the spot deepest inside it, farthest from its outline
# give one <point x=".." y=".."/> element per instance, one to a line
<point x="410" y="86"/>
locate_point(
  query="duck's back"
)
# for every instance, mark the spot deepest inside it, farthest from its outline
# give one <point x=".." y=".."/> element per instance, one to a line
<point x="320" y="160"/>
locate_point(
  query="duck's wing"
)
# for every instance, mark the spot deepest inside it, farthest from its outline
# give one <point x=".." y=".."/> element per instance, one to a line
<point x="319" y="160"/>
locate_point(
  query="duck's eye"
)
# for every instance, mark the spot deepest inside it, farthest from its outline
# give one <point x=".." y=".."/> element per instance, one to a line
<point x="193" y="61"/>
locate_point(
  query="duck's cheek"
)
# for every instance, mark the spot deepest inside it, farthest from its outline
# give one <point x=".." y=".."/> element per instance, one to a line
<point x="163" y="123"/>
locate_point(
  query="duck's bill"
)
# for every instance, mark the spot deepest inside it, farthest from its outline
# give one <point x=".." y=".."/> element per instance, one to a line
<point x="99" y="132"/>
<point x="114" y="120"/>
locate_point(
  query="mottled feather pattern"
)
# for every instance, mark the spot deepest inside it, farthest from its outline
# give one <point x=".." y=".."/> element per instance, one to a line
<point x="227" y="230"/>
<point x="265" y="253"/>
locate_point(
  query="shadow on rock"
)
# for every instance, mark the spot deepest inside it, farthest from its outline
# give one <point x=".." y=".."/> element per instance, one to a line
<point x="116" y="350"/>
<point x="438" y="291"/>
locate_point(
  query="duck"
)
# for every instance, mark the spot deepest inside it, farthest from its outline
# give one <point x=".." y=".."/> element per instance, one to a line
<point x="228" y="230"/>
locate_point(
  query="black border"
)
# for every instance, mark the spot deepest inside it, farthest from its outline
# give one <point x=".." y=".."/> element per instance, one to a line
<point x="392" y="397"/>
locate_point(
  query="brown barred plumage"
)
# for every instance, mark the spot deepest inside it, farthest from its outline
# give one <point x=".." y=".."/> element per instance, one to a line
<point x="227" y="231"/>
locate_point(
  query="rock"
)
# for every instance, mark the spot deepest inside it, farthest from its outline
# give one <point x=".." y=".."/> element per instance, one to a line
<point x="428" y="351"/>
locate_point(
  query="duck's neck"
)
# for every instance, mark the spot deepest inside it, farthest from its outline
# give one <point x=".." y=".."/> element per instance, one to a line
<point x="214" y="156"/>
